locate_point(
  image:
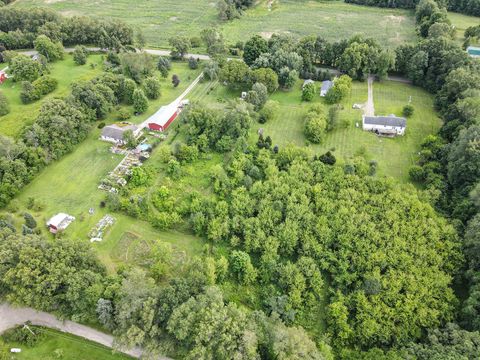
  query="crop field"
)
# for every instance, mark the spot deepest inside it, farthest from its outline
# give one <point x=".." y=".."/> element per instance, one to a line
<point x="162" y="19"/>
<point x="64" y="71"/>
<point x="58" y="345"/>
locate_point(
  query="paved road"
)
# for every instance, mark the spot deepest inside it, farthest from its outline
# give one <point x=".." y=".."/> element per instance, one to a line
<point x="149" y="51"/>
<point x="12" y="316"/>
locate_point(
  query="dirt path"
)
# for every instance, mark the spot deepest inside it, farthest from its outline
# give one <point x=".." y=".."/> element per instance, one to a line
<point x="12" y="316"/>
<point x="369" y="108"/>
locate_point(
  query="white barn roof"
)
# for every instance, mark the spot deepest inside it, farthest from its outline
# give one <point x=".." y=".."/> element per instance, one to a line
<point x="164" y="114"/>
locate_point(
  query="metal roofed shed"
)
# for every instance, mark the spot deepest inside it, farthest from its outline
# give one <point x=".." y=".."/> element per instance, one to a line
<point x="326" y="85"/>
<point x="59" y="222"/>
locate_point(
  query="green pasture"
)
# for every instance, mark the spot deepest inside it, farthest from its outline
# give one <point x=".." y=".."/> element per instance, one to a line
<point x="58" y="345"/>
<point x="64" y="71"/>
<point x="160" y="20"/>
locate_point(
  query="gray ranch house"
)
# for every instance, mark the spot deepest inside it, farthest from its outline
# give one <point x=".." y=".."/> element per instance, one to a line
<point x="390" y="125"/>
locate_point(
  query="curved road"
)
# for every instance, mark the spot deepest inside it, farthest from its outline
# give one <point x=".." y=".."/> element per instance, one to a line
<point x="12" y="316"/>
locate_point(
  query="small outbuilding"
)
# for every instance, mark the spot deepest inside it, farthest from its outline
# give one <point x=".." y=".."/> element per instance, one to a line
<point x="390" y="125"/>
<point x="59" y="222"/>
<point x="326" y="85"/>
<point x="114" y="132"/>
<point x="307" y="82"/>
<point x="473" y="51"/>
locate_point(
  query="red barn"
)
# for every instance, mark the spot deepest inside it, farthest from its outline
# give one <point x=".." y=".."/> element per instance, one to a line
<point x="161" y="120"/>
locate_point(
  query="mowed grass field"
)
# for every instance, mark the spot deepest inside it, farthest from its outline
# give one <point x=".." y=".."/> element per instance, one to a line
<point x="461" y="23"/>
<point x="162" y="19"/>
<point x="64" y="71"/>
<point x="394" y="156"/>
<point x="58" y="345"/>
<point x="70" y="185"/>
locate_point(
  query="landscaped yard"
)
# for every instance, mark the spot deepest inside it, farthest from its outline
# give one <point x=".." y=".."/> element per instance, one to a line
<point x="161" y="20"/>
<point x="394" y="156"/>
<point x="58" y="345"/>
<point x="70" y="185"/>
<point x="65" y="72"/>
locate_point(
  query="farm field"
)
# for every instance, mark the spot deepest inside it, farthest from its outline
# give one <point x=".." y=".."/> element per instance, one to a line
<point x="64" y="71"/>
<point x="394" y="156"/>
<point x="72" y="348"/>
<point x="161" y="20"/>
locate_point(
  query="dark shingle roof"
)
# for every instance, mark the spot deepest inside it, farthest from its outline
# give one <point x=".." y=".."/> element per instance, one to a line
<point x="386" y="120"/>
<point x="116" y="132"/>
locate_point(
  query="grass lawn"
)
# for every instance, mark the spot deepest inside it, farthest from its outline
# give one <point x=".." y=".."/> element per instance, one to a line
<point x="72" y="347"/>
<point x="394" y="156"/>
<point x="70" y="185"/>
<point x="461" y="23"/>
<point x="161" y="20"/>
<point x="64" y="71"/>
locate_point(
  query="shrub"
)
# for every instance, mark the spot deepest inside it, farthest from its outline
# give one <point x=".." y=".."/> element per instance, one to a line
<point x="151" y="86"/>
<point x="29" y="221"/>
<point x="408" y="110"/>
<point x="51" y="50"/>
<point x="45" y="85"/>
<point x="140" y="101"/>
<point x="192" y="63"/>
<point x="268" y="111"/>
<point x="101" y="125"/>
<point x="29" y="93"/>
<point x="308" y="92"/>
<point x="175" y="80"/>
<point x="195" y="42"/>
<point x="123" y="114"/>
<point x="80" y="55"/>
<point x="315" y="124"/>
<point x="4" y="105"/>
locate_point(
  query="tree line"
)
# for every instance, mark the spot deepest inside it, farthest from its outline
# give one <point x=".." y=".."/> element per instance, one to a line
<point x="469" y="7"/>
<point x="20" y="27"/>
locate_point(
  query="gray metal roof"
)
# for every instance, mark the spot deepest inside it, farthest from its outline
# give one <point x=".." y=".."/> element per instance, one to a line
<point x="116" y="132"/>
<point x="390" y="120"/>
<point x="327" y="84"/>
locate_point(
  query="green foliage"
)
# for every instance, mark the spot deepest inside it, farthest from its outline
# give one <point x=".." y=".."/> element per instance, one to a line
<point x="408" y="110"/>
<point x="46" y="47"/>
<point x="242" y="267"/>
<point x="152" y="87"/>
<point x="254" y="47"/>
<point x="69" y="267"/>
<point x="214" y="41"/>
<point x="141" y="176"/>
<point x="137" y="66"/>
<point x="29" y="93"/>
<point x="140" y="101"/>
<point x="164" y="66"/>
<point x="80" y="55"/>
<point x="268" y="112"/>
<point x="129" y="139"/>
<point x="193" y="63"/>
<point x="23" y="68"/>
<point x="308" y="92"/>
<point x="29" y="221"/>
<point x="23" y="335"/>
<point x="265" y="76"/>
<point x="287" y="78"/>
<point x="315" y="124"/>
<point x="180" y="46"/>
<point x="341" y="88"/>
<point x="211" y="70"/>
<point x="4" y="104"/>
<point x="258" y="96"/>
<point x="236" y="73"/>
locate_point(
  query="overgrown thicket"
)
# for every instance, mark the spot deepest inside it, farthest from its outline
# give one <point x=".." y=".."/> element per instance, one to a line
<point x="449" y="164"/>
<point x="20" y="27"/>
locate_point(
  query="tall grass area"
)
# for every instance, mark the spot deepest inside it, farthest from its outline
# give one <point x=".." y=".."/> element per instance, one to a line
<point x="57" y="345"/>
<point x="64" y="71"/>
<point x="160" y="20"/>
